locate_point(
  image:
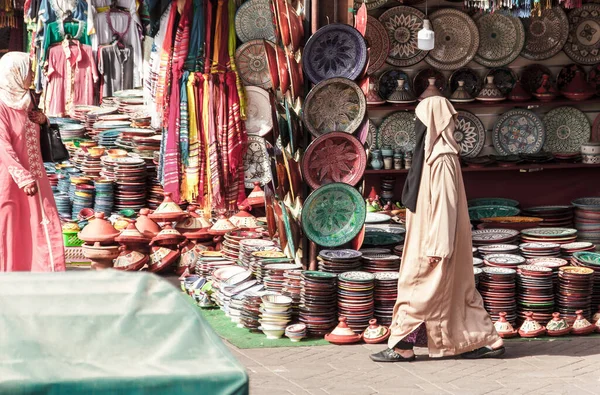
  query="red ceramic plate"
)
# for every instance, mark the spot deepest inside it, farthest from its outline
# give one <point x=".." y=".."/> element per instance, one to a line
<point x="271" y="56"/>
<point x="282" y="67"/>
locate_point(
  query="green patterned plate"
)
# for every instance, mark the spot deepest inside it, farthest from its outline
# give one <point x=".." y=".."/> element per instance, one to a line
<point x="379" y="238"/>
<point x="333" y="215"/>
<point x="588" y="258"/>
<point x="479" y="212"/>
<point x="493" y="202"/>
<point x="549" y="232"/>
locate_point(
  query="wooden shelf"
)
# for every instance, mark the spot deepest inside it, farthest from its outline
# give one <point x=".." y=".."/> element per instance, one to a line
<point x="528" y="168"/>
<point x="504" y="104"/>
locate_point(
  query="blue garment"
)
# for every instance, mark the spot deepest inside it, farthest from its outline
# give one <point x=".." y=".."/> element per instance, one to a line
<point x="195" y="57"/>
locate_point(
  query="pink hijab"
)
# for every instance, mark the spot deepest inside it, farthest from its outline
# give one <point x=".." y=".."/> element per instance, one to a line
<point x="14" y="70"/>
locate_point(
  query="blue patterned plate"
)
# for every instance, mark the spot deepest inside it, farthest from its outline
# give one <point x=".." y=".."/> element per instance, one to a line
<point x="519" y="132"/>
<point x="493" y="202"/>
<point x="335" y="50"/>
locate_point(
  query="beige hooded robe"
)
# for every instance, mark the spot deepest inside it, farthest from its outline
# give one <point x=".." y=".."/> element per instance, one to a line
<point x="443" y="296"/>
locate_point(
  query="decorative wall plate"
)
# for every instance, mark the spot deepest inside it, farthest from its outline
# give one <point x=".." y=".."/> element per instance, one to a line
<point x="334" y="157"/>
<point x="333" y="215"/>
<point x="545" y="36"/>
<point x="398" y="131"/>
<point x="531" y="76"/>
<point x="251" y="62"/>
<point x="257" y="165"/>
<point x="594" y="78"/>
<point x="469" y="133"/>
<point x="259" y="120"/>
<point x="254" y="21"/>
<point x="473" y="83"/>
<point x="501" y="39"/>
<point x="378" y="43"/>
<point x="566" y="75"/>
<point x="371" y="4"/>
<point x="335" y="50"/>
<point x="388" y="82"/>
<point x="518" y="131"/>
<point x="504" y="79"/>
<point x="583" y="43"/>
<point x="334" y="105"/>
<point x="403" y="24"/>
<point x="567" y="129"/>
<point x="421" y="81"/>
<point x="456" y="39"/>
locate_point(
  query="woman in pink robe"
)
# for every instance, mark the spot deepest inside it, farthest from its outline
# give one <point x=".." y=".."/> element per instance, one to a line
<point x="31" y="237"/>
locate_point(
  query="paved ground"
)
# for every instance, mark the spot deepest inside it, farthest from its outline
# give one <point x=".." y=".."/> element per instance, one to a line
<point x="546" y="367"/>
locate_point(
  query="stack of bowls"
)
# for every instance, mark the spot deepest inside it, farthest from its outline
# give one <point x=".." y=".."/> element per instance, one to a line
<point x="385" y="295"/>
<point x="339" y="261"/>
<point x="567" y="250"/>
<point x="552" y="263"/>
<point x="553" y="216"/>
<point x="318" y="303"/>
<point x="549" y="235"/>
<point x="296" y="332"/>
<point x="508" y="261"/>
<point x="82" y="193"/>
<point x="262" y="258"/>
<point x="104" y="200"/>
<point x="248" y="246"/>
<point x="381" y="263"/>
<point x="251" y="312"/>
<point x="498" y="290"/>
<point x="587" y="219"/>
<point x="275" y="314"/>
<point x="540" y="250"/>
<point x="575" y="291"/>
<point x="275" y="279"/>
<point x="591" y="260"/>
<point x="536" y="293"/>
<point x="63" y="205"/>
<point x="355" y="299"/>
<point x="292" y="287"/>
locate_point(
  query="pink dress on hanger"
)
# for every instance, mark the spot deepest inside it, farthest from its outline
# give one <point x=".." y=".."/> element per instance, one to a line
<point x="30" y="230"/>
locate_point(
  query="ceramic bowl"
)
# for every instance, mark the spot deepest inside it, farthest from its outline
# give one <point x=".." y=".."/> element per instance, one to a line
<point x="272" y="327"/>
<point x="96" y="151"/>
<point x="295" y="337"/>
<point x="276" y="301"/>
<point x="591" y="148"/>
<point x="272" y="334"/>
<point x="590" y="159"/>
<point x="117" y="153"/>
<point x="276" y="309"/>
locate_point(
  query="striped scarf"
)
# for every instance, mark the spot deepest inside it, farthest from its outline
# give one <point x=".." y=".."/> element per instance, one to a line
<point x="241" y="92"/>
<point x="236" y="141"/>
<point x="184" y="139"/>
<point x="189" y="185"/>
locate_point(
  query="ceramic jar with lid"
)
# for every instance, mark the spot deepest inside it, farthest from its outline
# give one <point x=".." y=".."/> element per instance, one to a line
<point x="531" y="328"/>
<point x="98" y="230"/>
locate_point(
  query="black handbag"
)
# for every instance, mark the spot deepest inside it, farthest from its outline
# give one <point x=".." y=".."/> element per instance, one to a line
<point x="51" y="145"/>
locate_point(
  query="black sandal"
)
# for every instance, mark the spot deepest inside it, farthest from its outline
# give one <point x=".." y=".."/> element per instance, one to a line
<point x="484" y="352"/>
<point x="389" y="355"/>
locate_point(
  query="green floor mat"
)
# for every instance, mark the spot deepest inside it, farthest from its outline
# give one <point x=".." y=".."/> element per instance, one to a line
<point x="243" y="338"/>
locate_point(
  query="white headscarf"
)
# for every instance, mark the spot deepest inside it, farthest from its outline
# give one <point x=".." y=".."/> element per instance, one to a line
<point x="14" y="69"/>
<point x="438" y="114"/>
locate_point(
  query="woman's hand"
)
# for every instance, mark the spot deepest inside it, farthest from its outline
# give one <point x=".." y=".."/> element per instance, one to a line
<point x="434" y="260"/>
<point x="37" y="116"/>
<point x="31" y="189"/>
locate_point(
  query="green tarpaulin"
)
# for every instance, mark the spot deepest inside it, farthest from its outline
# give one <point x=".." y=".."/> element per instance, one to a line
<point x="108" y="333"/>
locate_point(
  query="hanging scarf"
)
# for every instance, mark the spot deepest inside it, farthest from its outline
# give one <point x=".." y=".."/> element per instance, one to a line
<point x="184" y="140"/>
<point x="241" y="92"/>
<point x="15" y="67"/>
<point x="195" y="57"/>
<point x="189" y="185"/>
<point x="237" y="139"/>
<point x="221" y="39"/>
<point x="208" y="36"/>
<point x="164" y="71"/>
<point x="199" y="88"/>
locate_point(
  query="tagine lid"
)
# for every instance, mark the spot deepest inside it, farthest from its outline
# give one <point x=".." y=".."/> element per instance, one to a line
<point x="257" y="196"/>
<point x="244" y="220"/>
<point x="131" y="261"/>
<point x="582" y="326"/>
<point x="131" y="234"/>
<point x="503" y="327"/>
<point x="342" y="334"/>
<point x="168" y="234"/>
<point x="558" y="326"/>
<point x="98" y="230"/>
<point x="168" y="210"/>
<point x="431" y="91"/>
<point x="145" y="225"/>
<point x="193" y="223"/>
<point x="375" y="333"/>
<point x="222" y="226"/>
<point x="530" y="327"/>
<point x="162" y="258"/>
<point x="518" y="93"/>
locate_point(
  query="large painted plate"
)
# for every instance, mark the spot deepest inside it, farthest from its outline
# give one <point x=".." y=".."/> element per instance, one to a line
<point x="257" y="165"/>
<point x="493" y="235"/>
<point x="456" y="39"/>
<point x="254" y="21"/>
<point x="519" y="132"/>
<point x="501" y="39"/>
<point x="378" y="43"/>
<point x="583" y="43"/>
<point x="371" y="4"/>
<point x="333" y="215"/>
<point x="259" y="120"/>
<point x="334" y="105"/>
<point x="403" y="24"/>
<point x="251" y="62"/>
<point x="469" y="133"/>
<point x="549" y="232"/>
<point x="334" y="157"/>
<point x="545" y="35"/>
<point x="398" y="131"/>
<point x="335" y="50"/>
<point x="567" y="128"/>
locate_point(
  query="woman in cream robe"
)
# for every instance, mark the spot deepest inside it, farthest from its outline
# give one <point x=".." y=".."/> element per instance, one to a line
<point x="436" y="288"/>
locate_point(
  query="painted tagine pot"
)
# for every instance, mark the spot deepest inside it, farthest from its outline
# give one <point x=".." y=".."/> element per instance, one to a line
<point x="558" y="326"/>
<point x="168" y="211"/>
<point x="518" y="93"/>
<point x="190" y="253"/>
<point x="131" y="261"/>
<point x="375" y="333"/>
<point x="132" y="236"/>
<point x="195" y="226"/>
<point x="99" y="230"/>
<point x="531" y="328"/>
<point x="342" y="334"/>
<point x="168" y="237"/>
<point x="582" y="326"/>
<point x="256" y="197"/>
<point x="145" y="225"/>
<point x="162" y="259"/>
<point x="244" y="220"/>
<point x="101" y="256"/>
<point x="222" y="227"/>
<point x="504" y="328"/>
<point x="596" y="316"/>
<point x="431" y="90"/>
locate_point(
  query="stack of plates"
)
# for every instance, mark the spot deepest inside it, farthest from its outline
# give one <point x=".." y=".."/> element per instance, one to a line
<point x="83" y="197"/>
<point x="508" y="261"/>
<point x="114" y="117"/>
<point x="575" y="291"/>
<point x="553" y="216"/>
<point x="339" y="261"/>
<point x="141" y="120"/>
<point x="63" y="205"/>
<point x="155" y="189"/>
<point x="374" y="251"/>
<point x="567" y="250"/>
<point x="549" y="235"/>
<point x="211" y="261"/>
<point x="587" y="219"/>
<point x="129" y="175"/>
<point x="80" y="112"/>
<point x="97" y="114"/>
<point x="552" y="263"/>
<point x="260" y="259"/>
<point x="292" y="288"/>
<point x="275" y="279"/>
<point x="477" y="271"/>
<point x="71" y="131"/>
<point x="381" y="263"/>
<point x="91" y="166"/>
<point x="355" y="299"/>
<point x="538" y="250"/>
<point x="231" y="244"/>
<point x="108" y="101"/>
<point x="318" y="303"/>
<point x="248" y="246"/>
<point x="102" y="126"/>
<point x="232" y="286"/>
<point x="477" y="262"/>
<point x="386" y="293"/>
<point x="498" y="290"/>
<point x="591" y="260"/>
<point x="128" y="135"/>
<point x="498" y="249"/>
<point x="105" y="198"/>
<point x="108" y="138"/>
<point x="147" y="146"/>
<point x="399" y="249"/>
<point x="485" y="237"/>
<point x="536" y="293"/>
<point x="251" y="312"/>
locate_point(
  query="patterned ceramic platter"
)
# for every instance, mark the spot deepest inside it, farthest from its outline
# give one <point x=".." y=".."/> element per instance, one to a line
<point x="473" y="83"/>
<point x="398" y="131"/>
<point x="501" y="39"/>
<point x="361" y="277"/>
<point x="469" y="133"/>
<point x="377" y="218"/>
<point x="456" y="39"/>
<point x="334" y="105"/>
<point x="421" y="81"/>
<point x="566" y="75"/>
<point x="477" y="213"/>
<point x="504" y="79"/>
<point x="589" y="258"/>
<point x="583" y="43"/>
<point x="371" y="4"/>
<point x="371" y="142"/>
<point x="258" y="109"/>
<point x="499" y="270"/>
<point x="488" y="235"/>
<point x="343" y="254"/>
<point x="388" y="81"/>
<point x="254" y="21"/>
<point x="533" y="268"/>
<point x="518" y="132"/>
<point x="333" y="215"/>
<point x="334" y="157"/>
<point x="549" y="232"/>
<point x="493" y="202"/>
<point x="257" y="167"/>
<point x="498" y="248"/>
<point x="387" y="276"/>
<point x="507" y="259"/>
<point x="548" y="262"/>
<point x="546" y="35"/>
<point x="390" y="228"/>
<point x="567" y="129"/>
<point x="587" y="203"/>
<point x="576" y="270"/>
<point x="251" y="62"/>
<point x="378" y="43"/>
<point x="531" y="77"/>
<point x="335" y="50"/>
<point x="403" y="24"/>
